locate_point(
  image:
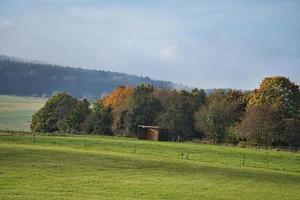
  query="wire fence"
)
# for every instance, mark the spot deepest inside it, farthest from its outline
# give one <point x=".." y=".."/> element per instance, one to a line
<point x="10" y="132"/>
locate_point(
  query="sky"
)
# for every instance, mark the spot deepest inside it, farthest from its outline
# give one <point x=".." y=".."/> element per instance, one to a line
<point x="205" y="44"/>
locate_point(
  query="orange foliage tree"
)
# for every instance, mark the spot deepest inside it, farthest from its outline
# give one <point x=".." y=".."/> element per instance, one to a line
<point x="119" y="101"/>
<point x="117" y="97"/>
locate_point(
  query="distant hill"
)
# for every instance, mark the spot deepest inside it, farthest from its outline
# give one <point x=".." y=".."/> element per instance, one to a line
<point x="34" y="78"/>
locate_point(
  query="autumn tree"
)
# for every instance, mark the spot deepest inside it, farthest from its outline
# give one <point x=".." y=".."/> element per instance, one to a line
<point x="117" y="97"/>
<point x="239" y="101"/>
<point x="119" y="115"/>
<point x="284" y="97"/>
<point x="119" y="100"/>
<point x="278" y="92"/>
<point x="260" y="125"/>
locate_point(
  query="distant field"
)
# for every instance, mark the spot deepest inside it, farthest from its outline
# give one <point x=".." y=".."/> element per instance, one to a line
<point x="95" y="167"/>
<point x="16" y="112"/>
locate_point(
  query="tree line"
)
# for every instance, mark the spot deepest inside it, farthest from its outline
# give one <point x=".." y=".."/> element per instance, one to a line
<point x="267" y="116"/>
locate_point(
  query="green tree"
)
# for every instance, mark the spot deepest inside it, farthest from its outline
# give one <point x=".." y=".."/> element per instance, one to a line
<point x="178" y="115"/>
<point x="198" y="98"/>
<point x="143" y="108"/>
<point x="291" y="135"/>
<point x="165" y="96"/>
<point x="216" y="117"/>
<point x="73" y="122"/>
<point x="100" y="120"/>
<point x="51" y="116"/>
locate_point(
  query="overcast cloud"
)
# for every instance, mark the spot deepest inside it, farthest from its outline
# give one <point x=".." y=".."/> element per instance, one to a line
<point x="207" y="44"/>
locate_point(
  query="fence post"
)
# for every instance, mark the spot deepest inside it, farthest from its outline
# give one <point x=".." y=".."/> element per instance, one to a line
<point x="33" y="138"/>
<point x="243" y="160"/>
<point x="84" y="143"/>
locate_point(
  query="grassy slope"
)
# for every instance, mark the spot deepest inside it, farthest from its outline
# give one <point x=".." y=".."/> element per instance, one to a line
<point x="108" y="168"/>
<point x="16" y="112"/>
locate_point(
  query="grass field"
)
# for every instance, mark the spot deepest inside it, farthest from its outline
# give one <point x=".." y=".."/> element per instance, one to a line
<point x="16" y="112"/>
<point x="95" y="167"/>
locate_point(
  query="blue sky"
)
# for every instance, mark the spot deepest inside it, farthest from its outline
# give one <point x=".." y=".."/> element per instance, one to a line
<point x="206" y="44"/>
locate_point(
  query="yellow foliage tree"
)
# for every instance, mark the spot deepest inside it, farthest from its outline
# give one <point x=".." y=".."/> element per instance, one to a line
<point x="278" y="92"/>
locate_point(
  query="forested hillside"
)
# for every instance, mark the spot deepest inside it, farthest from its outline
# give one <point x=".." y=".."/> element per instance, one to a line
<point x="20" y="77"/>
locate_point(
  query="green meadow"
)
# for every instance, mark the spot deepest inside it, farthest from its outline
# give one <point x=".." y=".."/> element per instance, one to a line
<point x="16" y="112"/>
<point x="96" y="167"/>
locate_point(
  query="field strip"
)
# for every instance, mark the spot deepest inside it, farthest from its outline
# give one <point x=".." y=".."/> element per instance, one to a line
<point x="132" y="156"/>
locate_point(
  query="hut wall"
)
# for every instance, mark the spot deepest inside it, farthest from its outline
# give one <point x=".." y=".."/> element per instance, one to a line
<point x="153" y="134"/>
<point x="142" y="133"/>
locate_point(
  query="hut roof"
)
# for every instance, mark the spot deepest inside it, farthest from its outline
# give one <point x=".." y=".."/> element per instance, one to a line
<point x="142" y="126"/>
